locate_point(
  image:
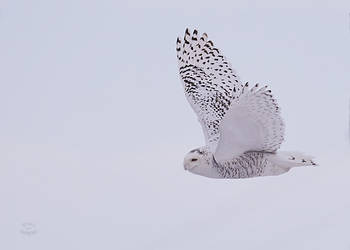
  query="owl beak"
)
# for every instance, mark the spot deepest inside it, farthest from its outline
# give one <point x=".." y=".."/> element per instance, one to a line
<point x="185" y="165"/>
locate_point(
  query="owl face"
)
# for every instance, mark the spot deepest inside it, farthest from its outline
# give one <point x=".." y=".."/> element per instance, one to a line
<point x="198" y="161"/>
<point x="193" y="159"/>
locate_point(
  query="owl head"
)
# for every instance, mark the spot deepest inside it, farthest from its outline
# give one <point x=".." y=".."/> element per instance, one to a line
<point x="199" y="161"/>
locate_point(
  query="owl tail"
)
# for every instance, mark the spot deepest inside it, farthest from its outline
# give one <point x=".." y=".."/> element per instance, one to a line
<point x="289" y="160"/>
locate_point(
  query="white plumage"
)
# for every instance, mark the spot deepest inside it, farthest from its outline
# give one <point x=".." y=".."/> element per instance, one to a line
<point x="252" y="123"/>
<point x="242" y="126"/>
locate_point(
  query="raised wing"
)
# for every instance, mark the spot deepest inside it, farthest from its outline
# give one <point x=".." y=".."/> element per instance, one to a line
<point x="252" y="123"/>
<point x="210" y="82"/>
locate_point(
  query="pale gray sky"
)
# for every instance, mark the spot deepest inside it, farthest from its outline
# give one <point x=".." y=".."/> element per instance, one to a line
<point x="95" y="126"/>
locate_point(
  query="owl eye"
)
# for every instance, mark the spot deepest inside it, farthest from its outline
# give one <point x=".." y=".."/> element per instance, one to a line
<point x="194" y="159"/>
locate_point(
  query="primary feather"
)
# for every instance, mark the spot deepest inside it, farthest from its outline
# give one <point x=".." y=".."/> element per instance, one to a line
<point x="210" y="82"/>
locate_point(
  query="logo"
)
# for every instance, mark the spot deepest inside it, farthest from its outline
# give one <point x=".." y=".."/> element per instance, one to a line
<point x="28" y="228"/>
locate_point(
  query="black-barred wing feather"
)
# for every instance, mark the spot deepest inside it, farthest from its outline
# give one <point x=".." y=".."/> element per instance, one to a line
<point x="210" y="82"/>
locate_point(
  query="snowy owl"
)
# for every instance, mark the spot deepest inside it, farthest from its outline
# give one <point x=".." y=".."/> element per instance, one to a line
<point x="242" y="126"/>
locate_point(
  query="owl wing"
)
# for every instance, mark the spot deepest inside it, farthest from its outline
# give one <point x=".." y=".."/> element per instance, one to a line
<point x="209" y="81"/>
<point x="252" y="123"/>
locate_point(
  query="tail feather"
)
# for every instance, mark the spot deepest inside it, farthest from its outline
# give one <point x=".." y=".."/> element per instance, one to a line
<point x="291" y="159"/>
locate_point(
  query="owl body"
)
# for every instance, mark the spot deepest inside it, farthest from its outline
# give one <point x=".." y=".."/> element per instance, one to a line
<point x="250" y="164"/>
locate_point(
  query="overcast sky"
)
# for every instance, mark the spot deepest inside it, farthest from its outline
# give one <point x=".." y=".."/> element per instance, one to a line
<point x="95" y="125"/>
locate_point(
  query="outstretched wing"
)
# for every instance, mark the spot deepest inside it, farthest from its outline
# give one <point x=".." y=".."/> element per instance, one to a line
<point x="210" y="82"/>
<point x="252" y="123"/>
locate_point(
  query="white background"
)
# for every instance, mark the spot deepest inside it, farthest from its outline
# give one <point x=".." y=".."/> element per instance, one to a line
<point x="94" y="126"/>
